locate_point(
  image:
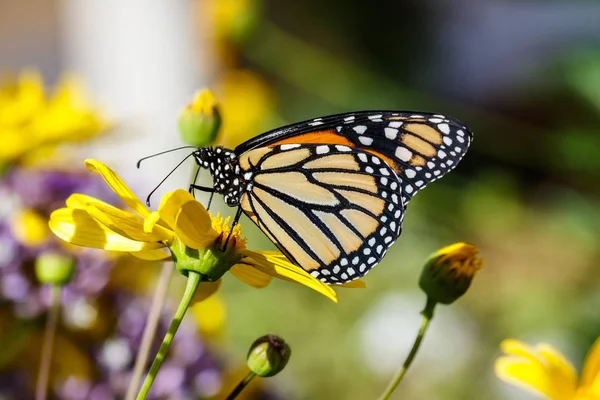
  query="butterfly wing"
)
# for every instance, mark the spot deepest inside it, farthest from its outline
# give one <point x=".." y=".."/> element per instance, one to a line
<point x="418" y="147"/>
<point x="332" y="209"/>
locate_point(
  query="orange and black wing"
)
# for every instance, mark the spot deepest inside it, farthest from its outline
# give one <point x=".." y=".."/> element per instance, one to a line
<point x="332" y="208"/>
<point x="419" y="147"/>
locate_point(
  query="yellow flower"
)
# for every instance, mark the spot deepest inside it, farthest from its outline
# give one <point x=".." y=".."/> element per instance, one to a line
<point x="29" y="228"/>
<point x="545" y="371"/>
<point x="448" y="273"/>
<point x="179" y="221"/>
<point x="210" y="314"/>
<point x="30" y="119"/>
<point x="246" y="101"/>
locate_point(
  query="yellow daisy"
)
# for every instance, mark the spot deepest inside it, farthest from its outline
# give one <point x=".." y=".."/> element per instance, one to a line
<point x="180" y="225"/>
<point x="30" y="118"/>
<point x="545" y="371"/>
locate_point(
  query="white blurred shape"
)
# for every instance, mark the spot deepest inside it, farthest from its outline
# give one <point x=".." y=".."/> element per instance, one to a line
<point x="138" y="58"/>
<point x="80" y="314"/>
<point x="389" y="328"/>
<point x="116" y="354"/>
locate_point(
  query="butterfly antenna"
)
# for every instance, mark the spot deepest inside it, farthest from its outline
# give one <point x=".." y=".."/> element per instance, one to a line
<point x="163" y="152"/>
<point x="166" y="177"/>
<point x="210" y="201"/>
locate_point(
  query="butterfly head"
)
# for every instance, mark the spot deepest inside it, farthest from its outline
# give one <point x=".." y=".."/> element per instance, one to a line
<point x="218" y="161"/>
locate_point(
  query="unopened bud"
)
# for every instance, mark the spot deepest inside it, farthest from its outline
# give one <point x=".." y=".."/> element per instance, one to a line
<point x="54" y="268"/>
<point x="200" y="120"/>
<point x="449" y="272"/>
<point x="268" y="355"/>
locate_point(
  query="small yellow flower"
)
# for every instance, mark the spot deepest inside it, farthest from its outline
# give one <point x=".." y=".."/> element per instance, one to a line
<point x="29" y="227"/>
<point x="448" y="273"/>
<point x="210" y="314"/>
<point x="179" y="221"/>
<point x="543" y="370"/>
<point x="30" y="119"/>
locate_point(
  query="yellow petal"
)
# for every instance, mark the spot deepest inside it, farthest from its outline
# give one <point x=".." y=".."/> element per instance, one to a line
<point x="188" y="218"/>
<point x="250" y="275"/>
<point x="517" y="348"/>
<point x="80" y="201"/>
<point x="562" y="373"/>
<point x="541" y="369"/>
<point x="205" y="290"/>
<point x="152" y="255"/>
<point x="118" y="186"/>
<point x="275" y="266"/>
<point x="525" y="374"/>
<point x="127" y="225"/>
<point x="151" y="221"/>
<point x="193" y="226"/>
<point x="78" y="227"/>
<point x="590" y="375"/>
<point x="170" y="205"/>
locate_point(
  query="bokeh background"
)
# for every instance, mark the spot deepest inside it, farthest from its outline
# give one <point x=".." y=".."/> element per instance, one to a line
<point x="525" y="76"/>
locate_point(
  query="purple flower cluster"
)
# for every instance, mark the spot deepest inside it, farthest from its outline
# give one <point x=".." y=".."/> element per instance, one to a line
<point x="192" y="371"/>
<point x="44" y="191"/>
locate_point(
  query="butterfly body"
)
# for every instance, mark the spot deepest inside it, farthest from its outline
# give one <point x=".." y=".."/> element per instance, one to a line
<point x="331" y="192"/>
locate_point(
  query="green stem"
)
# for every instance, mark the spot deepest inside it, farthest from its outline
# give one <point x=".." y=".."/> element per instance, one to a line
<point x="427" y="315"/>
<point x="41" y="391"/>
<point x="158" y="301"/>
<point x="193" y="281"/>
<point x="238" y="389"/>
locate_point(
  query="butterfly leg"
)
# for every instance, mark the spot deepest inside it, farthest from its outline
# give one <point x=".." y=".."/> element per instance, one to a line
<point x="238" y="214"/>
<point x="201" y="188"/>
<point x="191" y="189"/>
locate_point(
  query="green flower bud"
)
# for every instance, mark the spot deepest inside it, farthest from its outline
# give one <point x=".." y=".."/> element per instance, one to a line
<point x="199" y="122"/>
<point x="268" y="355"/>
<point x="54" y="268"/>
<point x="210" y="262"/>
<point x="448" y="273"/>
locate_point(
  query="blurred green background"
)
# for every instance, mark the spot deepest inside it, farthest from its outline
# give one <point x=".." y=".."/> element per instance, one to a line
<point x="524" y="76"/>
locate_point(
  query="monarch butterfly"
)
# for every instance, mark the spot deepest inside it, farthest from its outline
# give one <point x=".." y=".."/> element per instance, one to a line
<point x="331" y="192"/>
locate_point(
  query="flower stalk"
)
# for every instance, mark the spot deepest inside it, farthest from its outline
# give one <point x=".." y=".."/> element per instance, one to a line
<point x="158" y="301"/>
<point x="193" y="280"/>
<point x="426" y="317"/>
<point x="41" y="391"/>
<point x="241" y="386"/>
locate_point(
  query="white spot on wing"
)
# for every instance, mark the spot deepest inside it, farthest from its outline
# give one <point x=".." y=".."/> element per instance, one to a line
<point x="391" y="133"/>
<point x="322" y="149"/>
<point x="365" y="140"/>
<point x="289" y="146"/>
<point x="444" y="128"/>
<point x="402" y="153"/>
<point x="360" y="129"/>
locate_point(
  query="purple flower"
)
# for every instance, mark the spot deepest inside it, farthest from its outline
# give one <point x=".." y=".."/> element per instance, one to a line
<point x="43" y="191"/>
